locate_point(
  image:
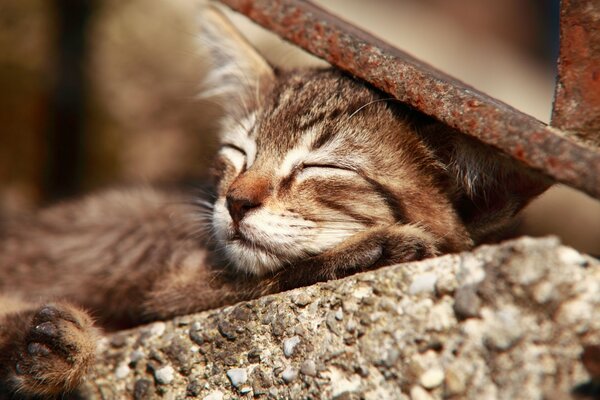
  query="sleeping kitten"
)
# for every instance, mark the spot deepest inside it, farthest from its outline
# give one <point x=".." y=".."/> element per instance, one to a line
<point x="318" y="176"/>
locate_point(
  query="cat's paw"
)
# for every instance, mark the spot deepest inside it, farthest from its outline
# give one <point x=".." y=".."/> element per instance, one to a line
<point x="364" y="251"/>
<point x="378" y="247"/>
<point x="56" y="352"/>
<point x="404" y="243"/>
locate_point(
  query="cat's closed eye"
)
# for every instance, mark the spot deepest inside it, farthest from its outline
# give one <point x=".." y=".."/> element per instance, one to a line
<point x="326" y="166"/>
<point x="232" y="156"/>
<point x="318" y="170"/>
<point x="233" y="147"/>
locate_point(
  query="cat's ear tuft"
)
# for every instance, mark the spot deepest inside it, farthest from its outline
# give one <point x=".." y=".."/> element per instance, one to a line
<point x="234" y="65"/>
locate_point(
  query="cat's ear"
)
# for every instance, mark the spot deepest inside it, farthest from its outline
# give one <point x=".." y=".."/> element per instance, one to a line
<point x="496" y="187"/>
<point x="490" y="188"/>
<point x="235" y="67"/>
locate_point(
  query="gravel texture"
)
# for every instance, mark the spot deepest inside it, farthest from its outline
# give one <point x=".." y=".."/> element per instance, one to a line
<point x="508" y="321"/>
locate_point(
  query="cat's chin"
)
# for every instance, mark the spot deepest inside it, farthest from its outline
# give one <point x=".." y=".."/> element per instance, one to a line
<point x="251" y="257"/>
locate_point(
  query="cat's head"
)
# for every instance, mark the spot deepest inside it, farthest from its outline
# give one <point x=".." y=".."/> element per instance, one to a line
<point x="308" y="158"/>
<point x="311" y="157"/>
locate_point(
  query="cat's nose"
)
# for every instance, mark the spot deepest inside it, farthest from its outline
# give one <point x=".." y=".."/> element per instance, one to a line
<point x="245" y="194"/>
<point x="238" y="207"/>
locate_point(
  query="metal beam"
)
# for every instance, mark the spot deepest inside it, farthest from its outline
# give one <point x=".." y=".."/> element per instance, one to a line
<point x="577" y="98"/>
<point x="431" y="91"/>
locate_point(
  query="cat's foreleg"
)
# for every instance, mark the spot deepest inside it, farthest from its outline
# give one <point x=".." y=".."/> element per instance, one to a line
<point x="364" y="251"/>
<point x="183" y="291"/>
<point x="44" y="350"/>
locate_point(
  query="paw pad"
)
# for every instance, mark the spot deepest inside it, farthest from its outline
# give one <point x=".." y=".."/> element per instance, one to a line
<point x="57" y="349"/>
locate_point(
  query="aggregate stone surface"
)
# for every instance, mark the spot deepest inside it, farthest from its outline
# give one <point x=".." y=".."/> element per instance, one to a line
<point x="507" y="321"/>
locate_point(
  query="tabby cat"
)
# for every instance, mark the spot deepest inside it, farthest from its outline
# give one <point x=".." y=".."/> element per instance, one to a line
<point x="318" y="176"/>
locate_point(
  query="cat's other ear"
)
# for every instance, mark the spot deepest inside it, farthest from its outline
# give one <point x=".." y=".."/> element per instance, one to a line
<point x="490" y="188"/>
<point x="235" y="67"/>
<point x="496" y="187"/>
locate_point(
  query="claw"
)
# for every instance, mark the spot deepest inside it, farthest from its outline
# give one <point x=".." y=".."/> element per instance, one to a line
<point x="38" y="349"/>
<point x="48" y="312"/>
<point x="19" y="369"/>
<point x="47" y="328"/>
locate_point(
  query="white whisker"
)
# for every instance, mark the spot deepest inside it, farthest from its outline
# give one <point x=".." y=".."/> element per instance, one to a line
<point x="369" y="103"/>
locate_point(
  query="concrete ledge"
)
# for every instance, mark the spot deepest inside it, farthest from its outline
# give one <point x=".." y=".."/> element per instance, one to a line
<point x="507" y="321"/>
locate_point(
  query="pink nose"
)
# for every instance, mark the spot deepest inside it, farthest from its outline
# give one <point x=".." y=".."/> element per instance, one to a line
<point x="247" y="192"/>
<point x="239" y="206"/>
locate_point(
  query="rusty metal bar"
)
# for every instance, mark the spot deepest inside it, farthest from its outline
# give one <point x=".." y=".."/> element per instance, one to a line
<point x="522" y="137"/>
<point x="577" y="98"/>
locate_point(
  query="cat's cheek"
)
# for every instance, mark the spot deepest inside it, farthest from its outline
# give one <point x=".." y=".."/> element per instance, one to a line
<point x="221" y="221"/>
<point x="225" y="171"/>
<point x="225" y="182"/>
<point x="251" y="260"/>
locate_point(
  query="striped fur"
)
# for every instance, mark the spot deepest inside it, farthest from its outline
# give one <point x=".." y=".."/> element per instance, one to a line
<point x="334" y="168"/>
<point x="319" y="176"/>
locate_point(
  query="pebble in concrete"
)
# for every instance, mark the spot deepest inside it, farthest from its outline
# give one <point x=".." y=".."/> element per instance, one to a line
<point x="455" y="383"/>
<point x="302" y="299"/>
<point x="309" y="368"/>
<point x="216" y="395"/>
<point x="289" y="374"/>
<point x="136" y="356"/>
<point x="432" y="378"/>
<point x="165" y="375"/>
<point x="237" y="376"/>
<point x="122" y="371"/>
<point x="418" y="393"/>
<point x="423" y="283"/>
<point x="503" y="329"/>
<point x="289" y="345"/>
<point x="157" y="328"/>
<point x="245" y="389"/>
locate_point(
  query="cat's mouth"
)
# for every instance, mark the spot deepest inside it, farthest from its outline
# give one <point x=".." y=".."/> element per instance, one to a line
<point x="251" y="255"/>
<point x="241" y="238"/>
<point x="265" y="240"/>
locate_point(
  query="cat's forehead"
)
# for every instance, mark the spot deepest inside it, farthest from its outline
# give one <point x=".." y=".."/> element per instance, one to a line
<point x="303" y="96"/>
<point x="307" y="106"/>
<point x="306" y="112"/>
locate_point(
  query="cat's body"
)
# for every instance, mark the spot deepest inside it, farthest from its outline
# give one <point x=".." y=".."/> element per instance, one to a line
<point x="319" y="176"/>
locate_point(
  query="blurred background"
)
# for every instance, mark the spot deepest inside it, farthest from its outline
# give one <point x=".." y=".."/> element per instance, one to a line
<point x="97" y="93"/>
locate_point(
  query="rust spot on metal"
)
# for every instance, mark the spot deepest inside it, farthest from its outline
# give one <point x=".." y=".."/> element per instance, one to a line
<point x="556" y="163"/>
<point x="246" y="7"/>
<point x="519" y="153"/>
<point x="472" y="104"/>
<point x="542" y="148"/>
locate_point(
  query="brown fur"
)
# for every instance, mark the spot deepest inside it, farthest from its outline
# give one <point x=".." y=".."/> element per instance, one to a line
<point x="319" y="176"/>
